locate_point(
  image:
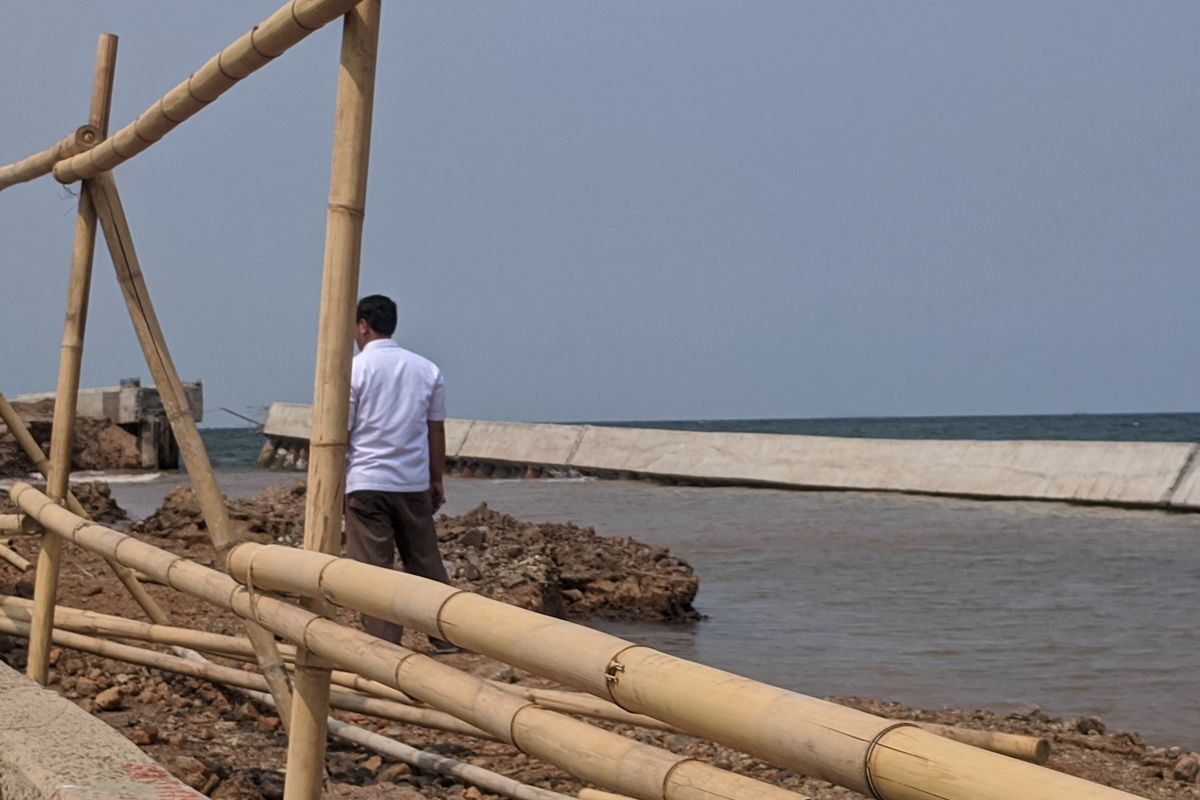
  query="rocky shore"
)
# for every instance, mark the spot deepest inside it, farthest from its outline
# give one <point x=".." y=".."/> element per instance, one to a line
<point x="231" y="749"/>
<point x="98" y="443"/>
<point x="558" y="569"/>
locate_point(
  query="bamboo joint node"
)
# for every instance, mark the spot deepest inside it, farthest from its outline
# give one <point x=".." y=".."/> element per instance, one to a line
<point x="357" y="212"/>
<point x="875" y="742"/>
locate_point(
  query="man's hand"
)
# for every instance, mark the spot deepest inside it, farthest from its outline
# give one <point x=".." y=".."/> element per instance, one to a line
<point x="437" y="494"/>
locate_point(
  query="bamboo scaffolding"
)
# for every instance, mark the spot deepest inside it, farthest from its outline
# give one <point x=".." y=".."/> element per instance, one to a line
<point x="39" y="164"/>
<point x="594" y="754"/>
<point x="107" y="201"/>
<point x="872" y="755"/>
<point x="269" y="39"/>
<point x="66" y="393"/>
<point x="34" y="453"/>
<point x="10" y="523"/>
<point x="335" y="346"/>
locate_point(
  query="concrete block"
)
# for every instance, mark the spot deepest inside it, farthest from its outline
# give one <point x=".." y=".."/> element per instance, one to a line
<point x="288" y="421"/>
<point x="50" y="749"/>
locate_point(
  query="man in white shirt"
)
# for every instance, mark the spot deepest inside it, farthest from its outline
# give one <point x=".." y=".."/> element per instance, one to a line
<point x="396" y="456"/>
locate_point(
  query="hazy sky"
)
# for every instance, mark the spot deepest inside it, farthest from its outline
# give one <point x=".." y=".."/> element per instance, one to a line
<point x="638" y="210"/>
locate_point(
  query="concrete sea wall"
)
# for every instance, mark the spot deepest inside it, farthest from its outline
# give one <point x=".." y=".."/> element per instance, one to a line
<point x="1147" y="474"/>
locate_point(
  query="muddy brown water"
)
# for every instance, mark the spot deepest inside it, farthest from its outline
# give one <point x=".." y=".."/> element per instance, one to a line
<point x="928" y="601"/>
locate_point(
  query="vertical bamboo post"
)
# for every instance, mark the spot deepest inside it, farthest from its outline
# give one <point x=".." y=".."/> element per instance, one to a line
<point x="67" y="391"/>
<point x="335" y="345"/>
<point x="107" y="201"/>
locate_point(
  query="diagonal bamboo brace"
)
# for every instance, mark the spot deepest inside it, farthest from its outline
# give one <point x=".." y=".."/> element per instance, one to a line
<point x="34" y="453"/>
<point x="103" y="192"/>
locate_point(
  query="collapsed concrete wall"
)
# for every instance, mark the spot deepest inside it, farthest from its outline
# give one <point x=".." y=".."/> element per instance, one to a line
<point x="50" y="749"/>
<point x="1150" y="474"/>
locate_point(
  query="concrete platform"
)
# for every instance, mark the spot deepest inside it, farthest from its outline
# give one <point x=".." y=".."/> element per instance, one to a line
<point x="50" y="749"/>
<point x="139" y="410"/>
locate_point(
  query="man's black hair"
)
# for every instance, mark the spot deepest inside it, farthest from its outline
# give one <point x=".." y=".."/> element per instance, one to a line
<point x="379" y="312"/>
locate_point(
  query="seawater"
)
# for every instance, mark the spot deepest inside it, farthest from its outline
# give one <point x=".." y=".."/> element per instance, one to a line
<point x="927" y="601"/>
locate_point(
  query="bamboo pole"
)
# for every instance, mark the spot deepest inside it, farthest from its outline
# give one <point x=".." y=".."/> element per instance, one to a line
<point x="442" y="765"/>
<point x="70" y="358"/>
<point x="10" y="523"/>
<point x="431" y="762"/>
<point x="335" y="346"/>
<point x="95" y="623"/>
<point x="39" y="164"/>
<point x="228" y="676"/>
<point x="269" y="39"/>
<point x="13" y="557"/>
<point x="1034" y="749"/>
<point x="33" y="451"/>
<point x="584" y="705"/>
<point x="860" y="751"/>
<point x="594" y="754"/>
<point x="599" y="794"/>
<point x="107" y="201"/>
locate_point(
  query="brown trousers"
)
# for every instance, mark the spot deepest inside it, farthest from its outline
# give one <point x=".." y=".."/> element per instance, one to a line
<point x="380" y="523"/>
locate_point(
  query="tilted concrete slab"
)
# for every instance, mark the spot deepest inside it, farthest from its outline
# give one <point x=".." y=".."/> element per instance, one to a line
<point x="1187" y="490"/>
<point x="288" y="421"/>
<point x="1104" y="472"/>
<point x="549" y="445"/>
<point x="50" y="749"/>
<point x="1120" y="473"/>
<point x="456" y="434"/>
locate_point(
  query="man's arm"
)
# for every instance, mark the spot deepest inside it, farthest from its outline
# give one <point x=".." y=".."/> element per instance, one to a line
<point x="437" y="461"/>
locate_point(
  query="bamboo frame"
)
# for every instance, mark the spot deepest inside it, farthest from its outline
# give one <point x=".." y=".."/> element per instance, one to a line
<point x="66" y="394"/>
<point x="594" y="754"/>
<point x="869" y="754"/>
<point x="107" y="201"/>
<point x="335" y="344"/>
<point x="10" y="523"/>
<point x="269" y="39"/>
<point x="34" y="452"/>
<point x="42" y="163"/>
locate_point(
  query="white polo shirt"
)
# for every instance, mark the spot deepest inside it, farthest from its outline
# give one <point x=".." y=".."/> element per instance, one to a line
<point x="394" y="393"/>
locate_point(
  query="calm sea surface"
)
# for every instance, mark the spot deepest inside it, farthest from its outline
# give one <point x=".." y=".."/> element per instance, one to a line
<point x="928" y="601"/>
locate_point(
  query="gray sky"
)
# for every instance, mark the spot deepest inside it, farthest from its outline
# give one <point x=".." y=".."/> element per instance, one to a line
<point x="631" y="210"/>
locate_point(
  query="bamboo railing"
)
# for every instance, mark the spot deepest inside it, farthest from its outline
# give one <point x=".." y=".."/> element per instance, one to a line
<point x="869" y="754"/>
<point x="594" y="754"/>
<point x="268" y="40"/>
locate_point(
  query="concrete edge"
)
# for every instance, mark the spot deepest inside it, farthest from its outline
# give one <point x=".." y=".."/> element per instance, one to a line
<point x="51" y="749"/>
